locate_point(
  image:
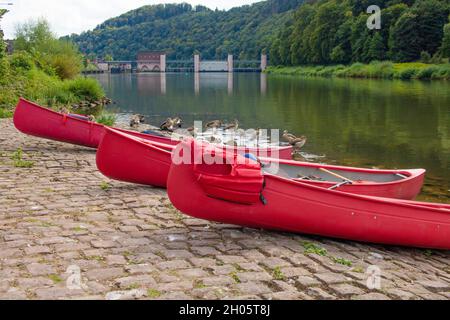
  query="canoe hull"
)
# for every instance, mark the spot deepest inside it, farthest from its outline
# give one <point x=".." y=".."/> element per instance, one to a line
<point x="302" y="208"/>
<point x="126" y="158"/>
<point x="31" y="119"/>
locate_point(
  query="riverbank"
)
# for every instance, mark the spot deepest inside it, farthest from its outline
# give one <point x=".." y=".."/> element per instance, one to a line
<point x="125" y="241"/>
<point x="374" y="70"/>
<point x="34" y="84"/>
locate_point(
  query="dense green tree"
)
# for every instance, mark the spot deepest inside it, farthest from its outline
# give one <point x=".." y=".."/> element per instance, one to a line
<point x="405" y="39"/>
<point x="445" y="49"/>
<point x="431" y="18"/>
<point x="377" y="49"/>
<point x="299" y="43"/>
<point x="180" y="29"/>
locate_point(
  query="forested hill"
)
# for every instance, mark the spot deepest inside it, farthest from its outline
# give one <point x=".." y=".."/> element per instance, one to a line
<point x="335" y="31"/>
<point x="181" y="30"/>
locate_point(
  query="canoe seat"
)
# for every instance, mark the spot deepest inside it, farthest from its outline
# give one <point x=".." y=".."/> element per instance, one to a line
<point x="238" y="183"/>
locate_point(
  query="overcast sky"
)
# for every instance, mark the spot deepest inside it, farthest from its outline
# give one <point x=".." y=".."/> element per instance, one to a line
<point x="75" y="16"/>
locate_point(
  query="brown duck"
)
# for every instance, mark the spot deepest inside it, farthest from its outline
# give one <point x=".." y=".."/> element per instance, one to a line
<point x="214" y="124"/>
<point x="296" y="142"/>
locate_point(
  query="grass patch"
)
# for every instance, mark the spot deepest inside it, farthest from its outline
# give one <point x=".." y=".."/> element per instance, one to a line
<point x="235" y="277"/>
<point x="5" y="114"/>
<point x="428" y="253"/>
<point x="133" y="286"/>
<point x="153" y="293"/>
<point x="107" y="118"/>
<point x="343" y="262"/>
<point x="55" y="278"/>
<point x="198" y="284"/>
<point x="105" y="186"/>
<point x="311" y="248"/>
<point x="358" y="270"/>
<point x="96" y="258"/>
<point x="278" y="274"/>
<point x="373" y="70"/>
<point x="17" y="157"/>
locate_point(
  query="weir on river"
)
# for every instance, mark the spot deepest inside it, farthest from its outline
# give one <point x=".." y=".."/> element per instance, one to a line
<point x="157" y="62"/>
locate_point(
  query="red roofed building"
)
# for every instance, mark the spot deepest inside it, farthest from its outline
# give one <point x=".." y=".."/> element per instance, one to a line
<point x="151" y="61"/>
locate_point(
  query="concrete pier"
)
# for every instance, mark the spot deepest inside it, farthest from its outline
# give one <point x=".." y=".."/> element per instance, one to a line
<point x="230" y="63"/>
<point x="197" y="63"/>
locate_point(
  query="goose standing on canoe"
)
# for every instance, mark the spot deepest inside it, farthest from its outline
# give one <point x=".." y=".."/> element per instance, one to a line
<point x="294" y="141"/>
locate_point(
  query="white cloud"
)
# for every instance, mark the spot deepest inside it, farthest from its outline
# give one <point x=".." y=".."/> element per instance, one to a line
<point x="75" y="16"/>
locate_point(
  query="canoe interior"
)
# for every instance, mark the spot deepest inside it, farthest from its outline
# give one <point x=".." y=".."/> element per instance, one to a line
<point x="315" y="174"/>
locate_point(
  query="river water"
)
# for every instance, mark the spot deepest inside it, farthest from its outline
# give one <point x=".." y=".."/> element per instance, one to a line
<point x="365" y="123"/>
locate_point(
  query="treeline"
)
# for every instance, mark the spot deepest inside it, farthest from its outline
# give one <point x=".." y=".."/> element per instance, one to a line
<point x="44" y="69"/>
<point x="335" y="32"/>
<point x="181" y="30"/>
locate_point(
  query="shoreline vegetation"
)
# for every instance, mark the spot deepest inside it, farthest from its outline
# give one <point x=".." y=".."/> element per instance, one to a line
<point x="373" y="70"/>
<point x="46" y="70"/>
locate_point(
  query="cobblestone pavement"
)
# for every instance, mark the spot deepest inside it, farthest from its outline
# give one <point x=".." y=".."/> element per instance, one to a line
<point x="67" y="232"/>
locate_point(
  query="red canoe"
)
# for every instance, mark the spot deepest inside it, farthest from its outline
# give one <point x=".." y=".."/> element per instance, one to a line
<point x="38" y="121"/>
<point x="242" y="194"/>
<point x="131" y="159"/>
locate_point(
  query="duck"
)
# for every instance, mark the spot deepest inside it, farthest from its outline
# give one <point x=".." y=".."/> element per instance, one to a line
<point x="136" y="120"/>
<point x="141" y="118"/>
<point x="214" y="124"/>
<point x="193" y="131"/>
<point x="168" y="125"/>
<point x="64" y="110"/>
<point x="294" y="141"/>
<point x="233" y="126"/>
<point x="178" y="122"/>
<point x="214" y="139"/>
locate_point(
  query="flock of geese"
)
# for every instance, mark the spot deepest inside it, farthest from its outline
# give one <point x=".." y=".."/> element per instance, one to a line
<point x="172" y="124"/>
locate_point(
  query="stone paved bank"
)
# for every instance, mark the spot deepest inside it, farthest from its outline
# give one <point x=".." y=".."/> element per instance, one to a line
<point x="61" y="221"/>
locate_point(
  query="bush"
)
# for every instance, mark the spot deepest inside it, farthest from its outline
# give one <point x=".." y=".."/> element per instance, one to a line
<point x="5" y="113"/>
<point x="442" y="72"/>
<point x="408" y="74"/>
<point x="21" y="61"/>
<point x="85" y="88"/>
<point x="427" y="73"/>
